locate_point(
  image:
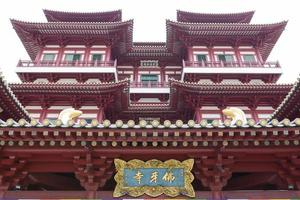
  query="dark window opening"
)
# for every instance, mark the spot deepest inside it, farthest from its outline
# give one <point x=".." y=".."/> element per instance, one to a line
<point x="201" y="57"/>
<point x="97" y="57"/>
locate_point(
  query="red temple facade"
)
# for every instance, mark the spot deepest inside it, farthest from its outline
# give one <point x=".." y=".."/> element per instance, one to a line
<point x="148" y="100"/>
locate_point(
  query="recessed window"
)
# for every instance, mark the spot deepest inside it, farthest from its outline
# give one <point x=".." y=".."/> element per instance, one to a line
<point x="249" y="58"/>
<point x="49" y="56"/>
<point x="201" y="57"/>
<point x="225" y="57"/>
<point x="97" y="57"/>
<point x="149" y="78"/>
<point x="72" y="57"/>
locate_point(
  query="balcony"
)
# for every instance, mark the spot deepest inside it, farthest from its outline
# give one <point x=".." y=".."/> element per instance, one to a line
<point x="149" y="87"/>
<point x="269" y="71"/>
<point x="66" y="69"/>
<point x="218" y="64"/>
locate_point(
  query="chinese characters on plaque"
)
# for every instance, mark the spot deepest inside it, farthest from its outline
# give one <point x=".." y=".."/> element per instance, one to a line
<point x="154" y="177"/>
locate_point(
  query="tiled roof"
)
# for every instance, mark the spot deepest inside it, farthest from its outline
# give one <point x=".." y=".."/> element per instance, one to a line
<point x="262" y="35"/>
<point x="290" y="106"/>
<point x="220" y="88"/>
<point x="243" y="17"/>
<point x="74" y="88"/>
<point x="61" y="16"/>
<point x="9" y="103"/>
<point x="33" y="35"/>
<point x="119" y="124"/>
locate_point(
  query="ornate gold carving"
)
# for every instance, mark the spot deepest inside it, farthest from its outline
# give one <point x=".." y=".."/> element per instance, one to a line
<point x="154" y="191"/>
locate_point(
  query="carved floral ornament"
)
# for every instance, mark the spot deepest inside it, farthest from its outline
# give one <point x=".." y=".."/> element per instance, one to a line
<point x="154" y="178"/>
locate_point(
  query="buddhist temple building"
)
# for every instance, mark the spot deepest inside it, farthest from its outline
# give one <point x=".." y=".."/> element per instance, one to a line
<point x="96" y="112"/>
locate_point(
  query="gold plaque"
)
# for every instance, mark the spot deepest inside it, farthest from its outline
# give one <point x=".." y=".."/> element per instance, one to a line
<point x="154" y="178"/>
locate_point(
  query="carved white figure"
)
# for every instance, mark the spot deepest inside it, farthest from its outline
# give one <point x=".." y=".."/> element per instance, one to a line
<point x="235" y="114"/>
<point x="68" y="114"/>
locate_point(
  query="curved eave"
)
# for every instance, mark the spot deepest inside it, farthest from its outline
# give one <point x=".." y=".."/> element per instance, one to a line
<point x="243" y="17"/>
<point x="60" y="16"/>
<point x="68" y="88"/>
<point x="34" y="35"/>
<point x="10" y="105"/>
<point x="264" y="36"/>
<point x="230" y="88"/>
<point x="290" y="106"/>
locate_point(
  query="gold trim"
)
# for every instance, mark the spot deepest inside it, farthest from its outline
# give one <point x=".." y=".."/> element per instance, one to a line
<point x="155" y="191"/>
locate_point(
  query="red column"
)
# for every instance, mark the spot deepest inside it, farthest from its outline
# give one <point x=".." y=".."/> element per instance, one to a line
<point x="190" y="54"/>
<point x="43" y="114"/>
<point x="238" y="56"/>
<point x="136" y="74"/>
<point x="216" y="195"/>
<point x="197" y="115"/>
<point x="60" y="55"/>
<point x="100" y="115"/>
<point x="108" y="53"/>
<point x="221" y="113"/>
<point x="162" y="74"/>
<point x="39" y="56"/>
<point x="87" y="54"/>
<point x="211" y="54"/>
<point x="254" y="114"/>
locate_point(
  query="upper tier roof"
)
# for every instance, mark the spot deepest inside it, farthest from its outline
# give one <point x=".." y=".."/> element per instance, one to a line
<point x="243" y="17"/>
<point x="60" y="16"/>
<point x="263" y="36"/>
<point x="35" y="35"/>
<point x="9" y="104"/>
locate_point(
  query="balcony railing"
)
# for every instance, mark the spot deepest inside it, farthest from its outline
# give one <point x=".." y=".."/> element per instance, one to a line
<point x="78" y="63"/>
<point x="213" y="64"/>
<point x="149" y="84"/>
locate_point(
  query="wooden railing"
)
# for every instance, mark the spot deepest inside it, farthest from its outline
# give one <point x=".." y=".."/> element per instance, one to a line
<point x="230" y="64"/>
<point x="149" y="84"/>
<point x="78" y="63"/>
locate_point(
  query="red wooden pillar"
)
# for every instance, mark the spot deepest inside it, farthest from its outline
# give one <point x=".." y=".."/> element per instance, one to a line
<point x="254" y="114"/>
<point x="87" y="54"/>
<point x="39" y="56"/>
<point x="211" y="54"/>
<point x="135" y="74"/>
<point x="43" y="114"/>
<point x="197" y="115"/>
<point x="91" y="194"/>
<point x="108" y="53"/>
<point x="238" y="56"/>
<point x="162" y="74"/>
<point x="221" y="112"/>
<point x="216" y="195"/>
<point x="190" y="54"/>
<point x="260" y="60"/>
<point x="100" y="115"/>
<point x="60" y="55"/>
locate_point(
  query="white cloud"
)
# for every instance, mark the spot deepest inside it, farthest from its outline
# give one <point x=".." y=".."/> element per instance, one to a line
<point x="149" y="23"/>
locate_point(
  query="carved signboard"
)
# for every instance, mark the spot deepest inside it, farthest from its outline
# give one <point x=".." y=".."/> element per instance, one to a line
<point x="154" y="177"/>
